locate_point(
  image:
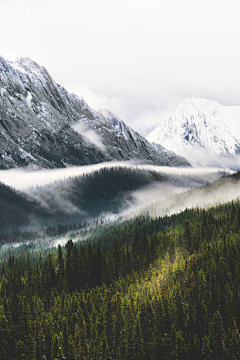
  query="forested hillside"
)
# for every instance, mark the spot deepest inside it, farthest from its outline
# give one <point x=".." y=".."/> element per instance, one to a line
<point x="18" y="210"/>
<point x="106" y="190"/>
<point x="72" y="201"/>
<point x="150" y="289"/>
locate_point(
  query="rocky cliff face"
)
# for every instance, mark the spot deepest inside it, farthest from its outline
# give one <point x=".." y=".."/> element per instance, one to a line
<point x="44" y="126"/>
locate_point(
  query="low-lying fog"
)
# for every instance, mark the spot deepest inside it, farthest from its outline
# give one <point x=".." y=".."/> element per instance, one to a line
<point x="177" y="192"/>
<point x="22" y="179"/>
<point x="165" y="194"/>
<point x="220" y="192"/>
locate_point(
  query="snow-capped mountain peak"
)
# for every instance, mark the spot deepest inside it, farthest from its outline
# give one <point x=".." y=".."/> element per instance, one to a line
<point x="200" y="124"/>
<point x="43" y="125"/>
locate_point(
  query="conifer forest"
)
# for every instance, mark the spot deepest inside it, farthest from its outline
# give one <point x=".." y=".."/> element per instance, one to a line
<point x="147" y="288"/>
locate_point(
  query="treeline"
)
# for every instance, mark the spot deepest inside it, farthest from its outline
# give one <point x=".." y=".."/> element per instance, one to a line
<point x="154" y="289"/>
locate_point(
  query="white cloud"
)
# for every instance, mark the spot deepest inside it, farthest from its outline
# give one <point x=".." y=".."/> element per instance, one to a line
<point x="90" y="134"/>
<point x="23" y="179"/>
<point x="139" y="60"/>
<point x="96" y="100"/>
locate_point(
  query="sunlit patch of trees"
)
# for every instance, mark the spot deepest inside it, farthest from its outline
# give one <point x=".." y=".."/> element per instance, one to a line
<point x="165" y="288"/>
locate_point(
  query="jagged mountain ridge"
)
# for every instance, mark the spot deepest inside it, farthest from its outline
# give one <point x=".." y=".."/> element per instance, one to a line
<point x="201" y="130"/>
<point x="38" y="120"/>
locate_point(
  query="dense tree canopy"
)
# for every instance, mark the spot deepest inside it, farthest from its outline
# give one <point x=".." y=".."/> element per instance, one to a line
<point x="165" y="288"/>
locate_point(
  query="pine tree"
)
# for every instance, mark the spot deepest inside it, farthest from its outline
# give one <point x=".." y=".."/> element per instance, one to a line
<point x="188" y="235"/>
<point x="206" y="352"/>
<point x="136" y="248"/>
<point x="56" y="348"/>
<point x="145" y="254"/>
<point x="60" y="268"/>
<point x="5" y="336"/>
<point x="216" y="332"/>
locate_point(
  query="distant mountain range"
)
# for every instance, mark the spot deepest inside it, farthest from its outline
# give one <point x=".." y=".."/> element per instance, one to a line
<point x="203" y="131"/>
<point x="44" y="126"/>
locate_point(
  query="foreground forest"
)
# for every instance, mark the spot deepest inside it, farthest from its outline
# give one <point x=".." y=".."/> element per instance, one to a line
<point x="164" y="288"/>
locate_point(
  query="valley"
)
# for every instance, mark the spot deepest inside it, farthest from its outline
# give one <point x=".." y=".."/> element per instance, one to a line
<point x="112" y="245"/>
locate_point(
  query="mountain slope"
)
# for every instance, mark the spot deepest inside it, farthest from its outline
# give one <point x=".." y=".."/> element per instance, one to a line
<point x="42" y="125"/>
<point x="108" y="190"/>
<point x="104" y="193"/>
<point x="202" y="131"/>
<point x="18" y="209"/>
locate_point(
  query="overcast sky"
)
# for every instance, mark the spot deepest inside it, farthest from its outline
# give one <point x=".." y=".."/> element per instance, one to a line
<point x="137" y="58"/>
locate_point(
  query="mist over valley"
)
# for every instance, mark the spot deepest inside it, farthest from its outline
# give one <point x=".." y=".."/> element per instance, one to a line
<point x="92" y="194"/>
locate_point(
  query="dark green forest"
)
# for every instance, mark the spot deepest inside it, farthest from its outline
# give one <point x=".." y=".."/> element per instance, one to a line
<point x="70" y="202"/>
<point x="164" y="288"/>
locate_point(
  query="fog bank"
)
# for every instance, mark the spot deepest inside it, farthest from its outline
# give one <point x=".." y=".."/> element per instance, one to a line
<point x="22" y="179"/>
<point x="220" y="192"/>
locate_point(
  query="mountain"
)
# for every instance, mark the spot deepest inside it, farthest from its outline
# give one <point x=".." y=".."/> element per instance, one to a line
<point x="44" y="126"/>
<point x="203" y="131"/>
